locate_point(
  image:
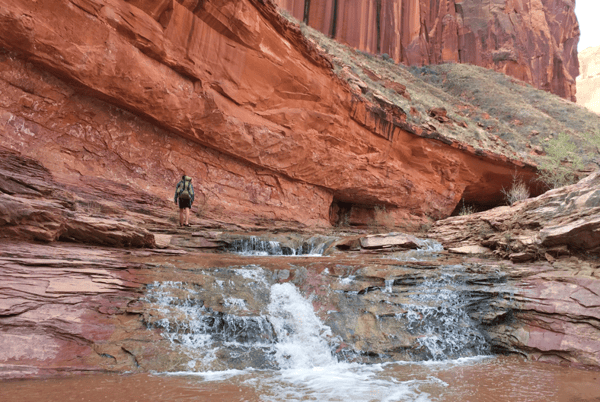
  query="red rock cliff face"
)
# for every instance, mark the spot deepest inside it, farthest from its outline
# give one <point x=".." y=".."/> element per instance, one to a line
<point x="532" y="40"/>
<point x="134" y="92"/>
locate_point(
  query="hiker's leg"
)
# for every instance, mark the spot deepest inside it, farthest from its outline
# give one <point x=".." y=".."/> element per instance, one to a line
<point x="187" y="216"/>
<point x="181" y="216"/>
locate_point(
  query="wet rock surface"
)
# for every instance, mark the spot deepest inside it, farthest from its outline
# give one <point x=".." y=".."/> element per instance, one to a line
<point x="104" y="102"/>
<point x="561" y="230"/>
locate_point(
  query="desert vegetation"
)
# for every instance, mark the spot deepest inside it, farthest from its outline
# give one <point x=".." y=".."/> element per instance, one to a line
<point x="566" y="157"/>
<point x="518" y="191"/>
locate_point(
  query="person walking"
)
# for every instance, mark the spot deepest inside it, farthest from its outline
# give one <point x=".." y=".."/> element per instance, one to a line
<point x="184" y="192"/>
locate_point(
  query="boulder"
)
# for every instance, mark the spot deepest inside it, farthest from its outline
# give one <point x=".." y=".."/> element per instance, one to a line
<point x="472" y="249"/>
<point x="395" y="240"/>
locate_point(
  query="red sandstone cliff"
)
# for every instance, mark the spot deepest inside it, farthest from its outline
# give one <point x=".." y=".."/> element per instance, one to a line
<point x="532" y="40"/>
<point x="134" y="92"/>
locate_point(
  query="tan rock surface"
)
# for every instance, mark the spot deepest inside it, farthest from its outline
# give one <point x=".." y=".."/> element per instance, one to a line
<point x="399" y="240"/>
<point x="560" y="221"/>
<point x="588" y="82"/>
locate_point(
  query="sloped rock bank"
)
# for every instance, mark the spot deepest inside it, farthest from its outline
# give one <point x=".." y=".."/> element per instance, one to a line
<point x="559" y="222"/>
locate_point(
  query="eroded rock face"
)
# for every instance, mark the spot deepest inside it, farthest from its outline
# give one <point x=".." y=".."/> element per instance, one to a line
<point x="534" y="41"/>
<point x="588" y="82"/>
<point x="557" y="298"/>
<point x="556" y="312"/>
<point x="59" y="308"/>
<point x="33" y="206"/>
<point x="561" y="221"/>
<point x="132" y="93"/>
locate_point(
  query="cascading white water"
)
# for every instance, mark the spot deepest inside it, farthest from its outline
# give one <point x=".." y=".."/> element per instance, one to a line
<point x="428" y="249"/>
<point x="302" y="339"/>
<point x="437" y="314"/>
<point x="287" y="329"/>
<point x="254" y="246"/>
<point x="301" y="348"/>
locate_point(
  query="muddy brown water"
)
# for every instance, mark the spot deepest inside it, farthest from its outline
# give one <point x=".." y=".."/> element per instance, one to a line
<point x="497" y="379"/>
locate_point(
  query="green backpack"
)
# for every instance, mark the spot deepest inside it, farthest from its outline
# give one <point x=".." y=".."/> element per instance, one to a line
<point x="185" y="193"/>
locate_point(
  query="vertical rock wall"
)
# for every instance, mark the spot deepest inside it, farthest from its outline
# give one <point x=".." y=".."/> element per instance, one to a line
<point x="532" y="40"/>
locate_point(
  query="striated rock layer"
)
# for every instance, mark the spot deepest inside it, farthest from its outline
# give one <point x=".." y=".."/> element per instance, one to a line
<point x="71" y="308"/>
<point x="557" y="310"/>
<point x="534" y="41"/>
<point x="136" y="92"/>
<point x="561" y="221"/>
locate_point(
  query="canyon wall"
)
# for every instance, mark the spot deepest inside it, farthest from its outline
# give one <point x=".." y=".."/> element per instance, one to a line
<point x="532" y="40"/>
<point x="588" y="83"/>
<point x="228" y="91"/>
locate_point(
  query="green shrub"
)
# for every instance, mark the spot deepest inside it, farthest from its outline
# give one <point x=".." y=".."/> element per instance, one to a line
<point x="559" y="167"/>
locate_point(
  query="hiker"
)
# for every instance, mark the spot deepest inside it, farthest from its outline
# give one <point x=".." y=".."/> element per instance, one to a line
<point x="185" y="193"/>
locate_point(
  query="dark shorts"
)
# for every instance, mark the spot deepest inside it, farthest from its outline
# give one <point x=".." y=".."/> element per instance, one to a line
<point x="185" y="203"/>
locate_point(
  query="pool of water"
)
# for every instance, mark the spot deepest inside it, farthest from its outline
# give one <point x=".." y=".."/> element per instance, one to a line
<point x="481" y="379"/>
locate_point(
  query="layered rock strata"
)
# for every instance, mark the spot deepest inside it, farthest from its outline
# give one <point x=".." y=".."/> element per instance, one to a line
<point x="534" y="41"/>
<point x="62" y="309"/>
<point x="66" y="308"/>
<point x="136" y="92"/>
<point x="35" y="207"/>
<point x="557" y="314"/>
<point x="562" y="221"/>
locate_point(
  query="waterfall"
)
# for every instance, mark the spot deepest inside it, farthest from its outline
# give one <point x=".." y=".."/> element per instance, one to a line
<point x="291" y="340"/>
<point x="285" y="333"/>
<point x="303" y="340"/>
<point x="254" y="246"/>
<point x="435" y="310"/>
<point x="271" y="325"/>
